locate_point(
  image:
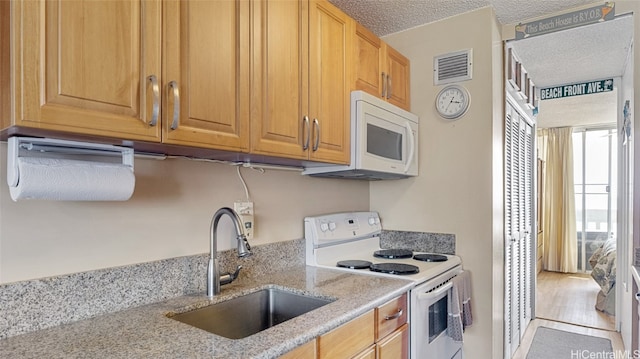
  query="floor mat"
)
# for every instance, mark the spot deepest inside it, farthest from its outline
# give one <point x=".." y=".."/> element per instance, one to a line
<point x="558" y="344"/>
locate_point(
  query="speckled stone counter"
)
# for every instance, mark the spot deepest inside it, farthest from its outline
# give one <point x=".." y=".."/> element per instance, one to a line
<point x="48" y="302"/>
<point x="146" y="331"/>
<point x="419" y="241"/>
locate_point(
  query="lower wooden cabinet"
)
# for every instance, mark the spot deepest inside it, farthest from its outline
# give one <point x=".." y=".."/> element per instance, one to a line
<point x="348" y="339"/>
<point x="305" y="351"/>
<point x="394" y="345"/>
<point x="382" y="333"/>
<point x="369" y="353"/>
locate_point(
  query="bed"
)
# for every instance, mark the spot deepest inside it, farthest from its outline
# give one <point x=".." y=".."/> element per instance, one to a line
<point x="603" y="264"/>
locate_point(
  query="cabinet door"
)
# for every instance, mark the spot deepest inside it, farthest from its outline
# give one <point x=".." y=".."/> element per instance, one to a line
<point x="330" y="38"/>
<point x="82" y="66"/>
<point x="398" y="82"/>
<point x="396" y="345"/>
<point x="348" y="339"/>
<point x="369" y="74"/>
<point x="305" y="351"/>
<point x="279" y="100"/>
<point x="369" y="353"/>
<point x="206" y="74"/>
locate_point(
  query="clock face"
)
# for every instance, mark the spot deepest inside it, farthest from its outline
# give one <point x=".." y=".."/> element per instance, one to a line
<point x="452" y="102"/>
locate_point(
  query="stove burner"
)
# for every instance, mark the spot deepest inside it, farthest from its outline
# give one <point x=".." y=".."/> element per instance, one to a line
<point x="394" y="268"/>
<point x="393" y="253"/>
<point x="354" y="264"/>
<point x="427" y="257"/>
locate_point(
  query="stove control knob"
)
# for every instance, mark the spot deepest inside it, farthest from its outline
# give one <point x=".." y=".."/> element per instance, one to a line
<point x="372" y="221"/>
<point x="324" y="227"/>
<point x="332" y="226"/>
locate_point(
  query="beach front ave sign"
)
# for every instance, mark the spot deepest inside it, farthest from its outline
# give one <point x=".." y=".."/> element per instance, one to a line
<point x="565" y="21"/>
<point x="585" y="88"/>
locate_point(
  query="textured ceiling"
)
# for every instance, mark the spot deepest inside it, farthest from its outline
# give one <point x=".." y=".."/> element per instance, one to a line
<point x="585" y="53"/>
<point x="582" y="54"/>
<point x="591" y="52"/>
<point x="385" y="17"/>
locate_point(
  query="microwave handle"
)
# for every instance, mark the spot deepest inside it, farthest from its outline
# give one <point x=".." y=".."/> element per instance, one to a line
<point x="435" y="293"/>
<point x="412" y="147"/>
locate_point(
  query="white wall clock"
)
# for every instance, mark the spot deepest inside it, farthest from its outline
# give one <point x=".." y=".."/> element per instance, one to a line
<point x="452" y="102"/>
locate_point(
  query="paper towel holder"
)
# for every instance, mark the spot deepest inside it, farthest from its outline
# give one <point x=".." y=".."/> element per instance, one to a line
<point x="19" y="146"/>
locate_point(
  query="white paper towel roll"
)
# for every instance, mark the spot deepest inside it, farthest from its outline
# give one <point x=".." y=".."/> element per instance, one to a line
<point x="72" y="180"/>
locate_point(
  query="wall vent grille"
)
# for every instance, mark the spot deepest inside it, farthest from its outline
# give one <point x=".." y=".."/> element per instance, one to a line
<point x="452" y="67"/>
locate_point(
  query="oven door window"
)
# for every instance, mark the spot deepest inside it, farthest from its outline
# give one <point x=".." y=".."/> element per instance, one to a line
<point x="438" y="316"/>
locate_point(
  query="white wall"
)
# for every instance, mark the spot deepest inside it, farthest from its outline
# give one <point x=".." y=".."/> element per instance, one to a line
<point x="168" y="216"/>
<point x="459" y="189"/>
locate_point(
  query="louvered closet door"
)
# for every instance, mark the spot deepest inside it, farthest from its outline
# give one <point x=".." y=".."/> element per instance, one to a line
<point x="518" y="217"/>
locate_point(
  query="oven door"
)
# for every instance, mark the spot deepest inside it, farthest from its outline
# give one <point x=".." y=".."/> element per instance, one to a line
<point x="429" y="317"/>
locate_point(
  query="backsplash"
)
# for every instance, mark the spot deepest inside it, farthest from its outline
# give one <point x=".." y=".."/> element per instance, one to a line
<point x="47" y="302"/>
<point x="419" y="241"/>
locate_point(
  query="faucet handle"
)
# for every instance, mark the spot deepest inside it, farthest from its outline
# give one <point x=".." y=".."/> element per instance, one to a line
<point x="227" y="278"/>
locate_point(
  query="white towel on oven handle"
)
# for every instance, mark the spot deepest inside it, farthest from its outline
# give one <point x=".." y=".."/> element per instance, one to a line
<point x="459" y="306"/>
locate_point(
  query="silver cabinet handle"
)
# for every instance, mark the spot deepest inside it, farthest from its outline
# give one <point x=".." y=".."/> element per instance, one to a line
<point x="316" y="131"/>
<point x="176" y="104"/>
<point x="155" y="90"/>
<point x="389" y="89"/>
<point x="306" y="133"/>
<point x="384" y="85"/>
<point x="394" y="316"/>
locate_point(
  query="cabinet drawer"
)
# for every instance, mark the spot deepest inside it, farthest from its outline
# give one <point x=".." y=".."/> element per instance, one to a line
<point x="391" y="316"/>
<point x="348" y="339"/>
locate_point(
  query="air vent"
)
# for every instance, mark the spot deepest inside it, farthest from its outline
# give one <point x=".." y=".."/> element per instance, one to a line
<point x="452" y="67"/>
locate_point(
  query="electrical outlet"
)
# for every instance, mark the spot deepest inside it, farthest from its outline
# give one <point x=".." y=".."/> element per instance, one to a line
<point x="245" y="211"/>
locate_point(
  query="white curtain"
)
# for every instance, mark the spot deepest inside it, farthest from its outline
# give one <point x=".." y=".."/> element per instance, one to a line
<point x="560" y="242"/>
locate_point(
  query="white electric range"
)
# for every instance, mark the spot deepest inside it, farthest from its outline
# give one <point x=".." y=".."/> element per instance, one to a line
<point x="351" y="242"/>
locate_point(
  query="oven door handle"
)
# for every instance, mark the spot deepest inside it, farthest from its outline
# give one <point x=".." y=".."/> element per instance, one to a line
<point x="435" y="293"/>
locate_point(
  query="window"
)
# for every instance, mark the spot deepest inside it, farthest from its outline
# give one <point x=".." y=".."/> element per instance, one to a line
<point x="595" y="169"/>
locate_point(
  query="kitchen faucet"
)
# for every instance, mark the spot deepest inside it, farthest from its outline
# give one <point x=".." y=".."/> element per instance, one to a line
<point x="214" y="280"/>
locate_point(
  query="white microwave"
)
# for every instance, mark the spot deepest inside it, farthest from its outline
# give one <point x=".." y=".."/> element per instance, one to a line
<point x="384" y="142"/>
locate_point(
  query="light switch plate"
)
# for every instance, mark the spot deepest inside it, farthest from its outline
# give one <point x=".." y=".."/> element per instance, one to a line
<point x="245" y="211"/>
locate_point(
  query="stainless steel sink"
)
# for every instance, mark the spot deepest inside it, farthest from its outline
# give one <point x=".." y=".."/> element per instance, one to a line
<point x="252" y="313"/>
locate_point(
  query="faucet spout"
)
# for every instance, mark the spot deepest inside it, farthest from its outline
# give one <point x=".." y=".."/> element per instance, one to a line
<point x="244" y="249"/>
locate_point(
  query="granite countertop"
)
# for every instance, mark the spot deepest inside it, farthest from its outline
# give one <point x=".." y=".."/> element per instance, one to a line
<point x="146" y="332"/>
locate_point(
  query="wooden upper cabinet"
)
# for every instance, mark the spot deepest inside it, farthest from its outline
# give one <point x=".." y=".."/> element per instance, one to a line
<point x="279" y="82"/>
<point x="300" y="83"/>
<point x="398" y="81"/>
<point x="330" y="60"/>
<point x="379" y="69"/>
<point x="369" y="69"/>
<point x="206" y="74"/>
<point x="267" y="77"/>
<point x="82" y="66"/>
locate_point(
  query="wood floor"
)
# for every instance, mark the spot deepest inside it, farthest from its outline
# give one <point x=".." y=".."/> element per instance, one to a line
<point x="566" y="302"/>
<point x="570" y="298"/>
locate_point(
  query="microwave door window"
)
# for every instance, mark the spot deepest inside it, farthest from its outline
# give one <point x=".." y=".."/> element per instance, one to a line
<point x="384" y="143"/>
